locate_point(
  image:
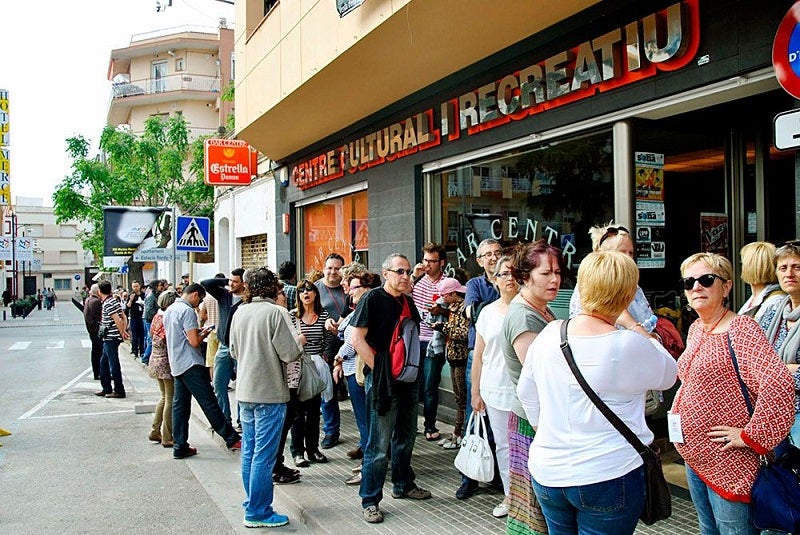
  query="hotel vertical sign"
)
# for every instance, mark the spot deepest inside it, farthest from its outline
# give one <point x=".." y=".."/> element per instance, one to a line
<point x="5" y="140"/>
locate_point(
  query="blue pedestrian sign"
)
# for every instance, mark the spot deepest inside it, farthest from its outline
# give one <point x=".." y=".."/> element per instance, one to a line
<point x="193" y="234"/>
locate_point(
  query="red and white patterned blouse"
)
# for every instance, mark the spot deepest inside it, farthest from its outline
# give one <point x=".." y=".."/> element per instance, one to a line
<point x="710" y="395"/>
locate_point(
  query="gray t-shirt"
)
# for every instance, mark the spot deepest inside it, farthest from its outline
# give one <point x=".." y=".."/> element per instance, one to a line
<point x="519" y="319"/>
<point x="179" y="318"/>
<point x="333" y="300"/>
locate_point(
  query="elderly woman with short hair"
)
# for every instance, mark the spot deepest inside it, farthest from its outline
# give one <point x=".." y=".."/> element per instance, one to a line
<point x="587" y="476"/>
<point x="780" y="321"/>
<point x="758" y="270"/>
<point x="719" y="439"/>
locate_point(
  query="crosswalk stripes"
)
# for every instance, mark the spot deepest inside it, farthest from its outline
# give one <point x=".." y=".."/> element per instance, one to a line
<point x="85" y="343"/>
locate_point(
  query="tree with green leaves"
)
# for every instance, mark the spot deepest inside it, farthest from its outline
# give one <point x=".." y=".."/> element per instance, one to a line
<point x="159" y="168"/>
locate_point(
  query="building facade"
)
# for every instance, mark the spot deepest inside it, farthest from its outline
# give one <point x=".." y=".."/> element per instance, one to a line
<point x="57" y="258"/>
<point x="407" y="122"/>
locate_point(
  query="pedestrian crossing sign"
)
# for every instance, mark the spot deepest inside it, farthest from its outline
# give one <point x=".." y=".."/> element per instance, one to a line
<point x="193" y="234"/>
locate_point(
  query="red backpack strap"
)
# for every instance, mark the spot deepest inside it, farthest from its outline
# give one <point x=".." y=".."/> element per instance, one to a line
<point x="406" y="312"/>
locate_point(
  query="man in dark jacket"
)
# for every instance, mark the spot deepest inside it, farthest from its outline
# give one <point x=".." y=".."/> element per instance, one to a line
<point x="92" y="314"/>
<point x="228" y="293"/>
<point x="391" y="405"/>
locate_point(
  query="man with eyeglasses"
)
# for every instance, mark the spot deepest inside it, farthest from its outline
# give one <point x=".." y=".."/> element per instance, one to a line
<point x="427" y="276"/>
<point x="480" y="292"/>
<point x="391" y="405"/>
<point x="228" y="293"/>
<point x="334" y="301"/>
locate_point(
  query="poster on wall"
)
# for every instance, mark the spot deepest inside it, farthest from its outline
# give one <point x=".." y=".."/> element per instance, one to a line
<point x="650" y="214"/>
<point x="714" y="233"/>
<point x="649" y="176"/>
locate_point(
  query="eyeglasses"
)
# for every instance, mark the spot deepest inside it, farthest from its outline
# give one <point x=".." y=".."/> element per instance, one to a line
<point x="612" y="231"/>
<point x="492" y="254"/>
<point x="306" y="289"/>
<point x="504" y="275"/>
<point x="431" y="261"/>
<point x="705" y="281"/>
<point x="401" y="271"/>
<point x="355" y="287"/>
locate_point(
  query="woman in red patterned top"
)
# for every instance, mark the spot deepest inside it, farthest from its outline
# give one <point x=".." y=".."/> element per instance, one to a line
<point x="720" y="441"/>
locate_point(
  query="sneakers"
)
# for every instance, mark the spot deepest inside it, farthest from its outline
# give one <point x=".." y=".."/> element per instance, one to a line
<point x="414" y="493"/>
<point x="372" y="514"/>
<point x="115" y="395"/>
<point x="236" y="446"/>
<point x="182" y="454"/>
<point x="329" y="441"/>
<point x="317" y="457"/>
<point x="356" y="453"/>
<point x="468" y="488"/>
<point x="273" y="521"/>
<point x="285" y="478"/>
<point x="501" y="510"/>
<point x="300" y="461"/>
<point x="355" y="479"/>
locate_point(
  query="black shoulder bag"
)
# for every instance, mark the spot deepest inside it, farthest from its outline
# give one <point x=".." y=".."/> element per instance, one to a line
<point x="658" y="500"/>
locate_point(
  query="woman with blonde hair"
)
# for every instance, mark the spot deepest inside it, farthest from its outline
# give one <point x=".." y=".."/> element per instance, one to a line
<point x="587" y="476"/>
<point x="718" y="438"/>
<point x="617" y="238"/>
<point x="758" y="270"/>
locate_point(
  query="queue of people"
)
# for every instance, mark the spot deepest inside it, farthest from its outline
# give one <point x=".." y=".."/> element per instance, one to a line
<point x="561" y="466"/>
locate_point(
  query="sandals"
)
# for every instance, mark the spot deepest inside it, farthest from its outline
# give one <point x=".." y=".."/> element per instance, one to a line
<point x="432" y="435"/>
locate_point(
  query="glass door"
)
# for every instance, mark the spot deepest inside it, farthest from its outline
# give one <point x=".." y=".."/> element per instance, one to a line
<point x="159" y="81"/>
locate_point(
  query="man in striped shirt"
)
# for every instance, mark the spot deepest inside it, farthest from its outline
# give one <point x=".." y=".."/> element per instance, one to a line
<point x="113" y="329"/>
<point x="427" y="276"/>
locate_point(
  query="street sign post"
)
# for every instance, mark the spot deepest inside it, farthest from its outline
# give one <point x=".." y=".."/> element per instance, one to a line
<point x="193" y="234"/>
<point x="787" y="130"/>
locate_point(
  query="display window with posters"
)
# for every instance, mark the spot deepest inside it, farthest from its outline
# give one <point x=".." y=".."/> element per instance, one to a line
<point x="555" y="190"/>
<point x="334" y="225"/>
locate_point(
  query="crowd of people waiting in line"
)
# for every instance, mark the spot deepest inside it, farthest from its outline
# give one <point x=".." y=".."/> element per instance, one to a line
<point x="562" y="467"/>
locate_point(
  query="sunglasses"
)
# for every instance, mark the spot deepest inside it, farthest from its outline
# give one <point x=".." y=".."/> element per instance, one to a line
<point x="706" y="281"/>
<point x="355" y="287"/>
<point x="306" y="289"/>
<point x="611" y="232"/>
<point x="401" y="271"/>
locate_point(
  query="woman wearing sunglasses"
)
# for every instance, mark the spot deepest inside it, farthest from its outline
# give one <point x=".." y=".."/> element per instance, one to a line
<point x="780" y="321"/>
<point x="617" y="238"/>
<point x="309" y="319"/>
<point x="709" y="422"/>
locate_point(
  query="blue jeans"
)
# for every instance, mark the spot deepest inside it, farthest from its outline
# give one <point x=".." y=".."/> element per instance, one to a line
<point x="396" y="428"/>
<point x="148" y="342"/>
<point x="261" y="435"/>
<point x="331" y="418"/>
<point x="718" y="516"/>
<point x="223" y="371"/>
<point x="359" y="402"/>
<point x="109" y="367"/>
<point x="612" y="506"/>
<point x="195" y="382"/>
<point x="433" y="376"/>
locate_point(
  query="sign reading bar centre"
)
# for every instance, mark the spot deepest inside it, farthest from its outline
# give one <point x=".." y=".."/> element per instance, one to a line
<point x="229" y="162"/>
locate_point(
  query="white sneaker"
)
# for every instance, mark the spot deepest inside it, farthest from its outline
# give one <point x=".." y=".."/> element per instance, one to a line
<point x="501" y="510"/>
<point x="453" y="444"/>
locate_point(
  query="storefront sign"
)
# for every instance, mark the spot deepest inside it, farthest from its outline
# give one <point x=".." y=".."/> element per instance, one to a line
<point x="787" y="130"/>
<point x="229" y="162"/>
<point x="786" y="52"/>
<point x="5" y="125"/>
<point x="663" y="41"/>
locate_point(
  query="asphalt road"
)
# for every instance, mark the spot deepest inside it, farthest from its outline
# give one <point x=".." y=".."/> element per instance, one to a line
<point x="78" y="463"/>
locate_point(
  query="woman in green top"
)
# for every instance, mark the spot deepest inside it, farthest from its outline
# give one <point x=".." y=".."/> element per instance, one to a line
<point x="538" y="272"/>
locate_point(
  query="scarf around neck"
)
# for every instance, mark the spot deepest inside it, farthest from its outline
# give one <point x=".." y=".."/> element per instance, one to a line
<point x="791" y="344"/>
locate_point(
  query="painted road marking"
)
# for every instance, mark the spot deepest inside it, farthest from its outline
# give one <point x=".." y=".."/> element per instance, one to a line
<point x="56" y="345"/>
<point x="86" y="344"/>
<point x="19" y="346"/>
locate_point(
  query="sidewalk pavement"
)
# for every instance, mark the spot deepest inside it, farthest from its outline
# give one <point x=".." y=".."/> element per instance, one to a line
<point x="322" y="503"/>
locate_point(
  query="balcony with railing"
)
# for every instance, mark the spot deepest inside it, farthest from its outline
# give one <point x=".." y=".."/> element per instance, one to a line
<point x="173" y="82"/>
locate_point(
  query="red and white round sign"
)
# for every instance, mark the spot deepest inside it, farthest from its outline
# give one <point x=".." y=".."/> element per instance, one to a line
<point x="786" y="52"/>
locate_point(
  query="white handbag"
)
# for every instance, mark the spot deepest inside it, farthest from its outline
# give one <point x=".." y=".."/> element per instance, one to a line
<point x="474" y="458"/>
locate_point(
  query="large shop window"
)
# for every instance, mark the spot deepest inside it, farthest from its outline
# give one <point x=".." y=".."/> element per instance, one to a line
<point x="555" y="190"/>
<point x="339" y="225"/>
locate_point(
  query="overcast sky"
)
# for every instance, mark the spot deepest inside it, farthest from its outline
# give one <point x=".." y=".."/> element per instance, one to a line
<point x="54" y="63"/>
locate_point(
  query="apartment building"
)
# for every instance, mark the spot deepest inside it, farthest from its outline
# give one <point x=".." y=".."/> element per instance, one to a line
<point x="56" y="257"/>
<point x="173" y="71"/>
